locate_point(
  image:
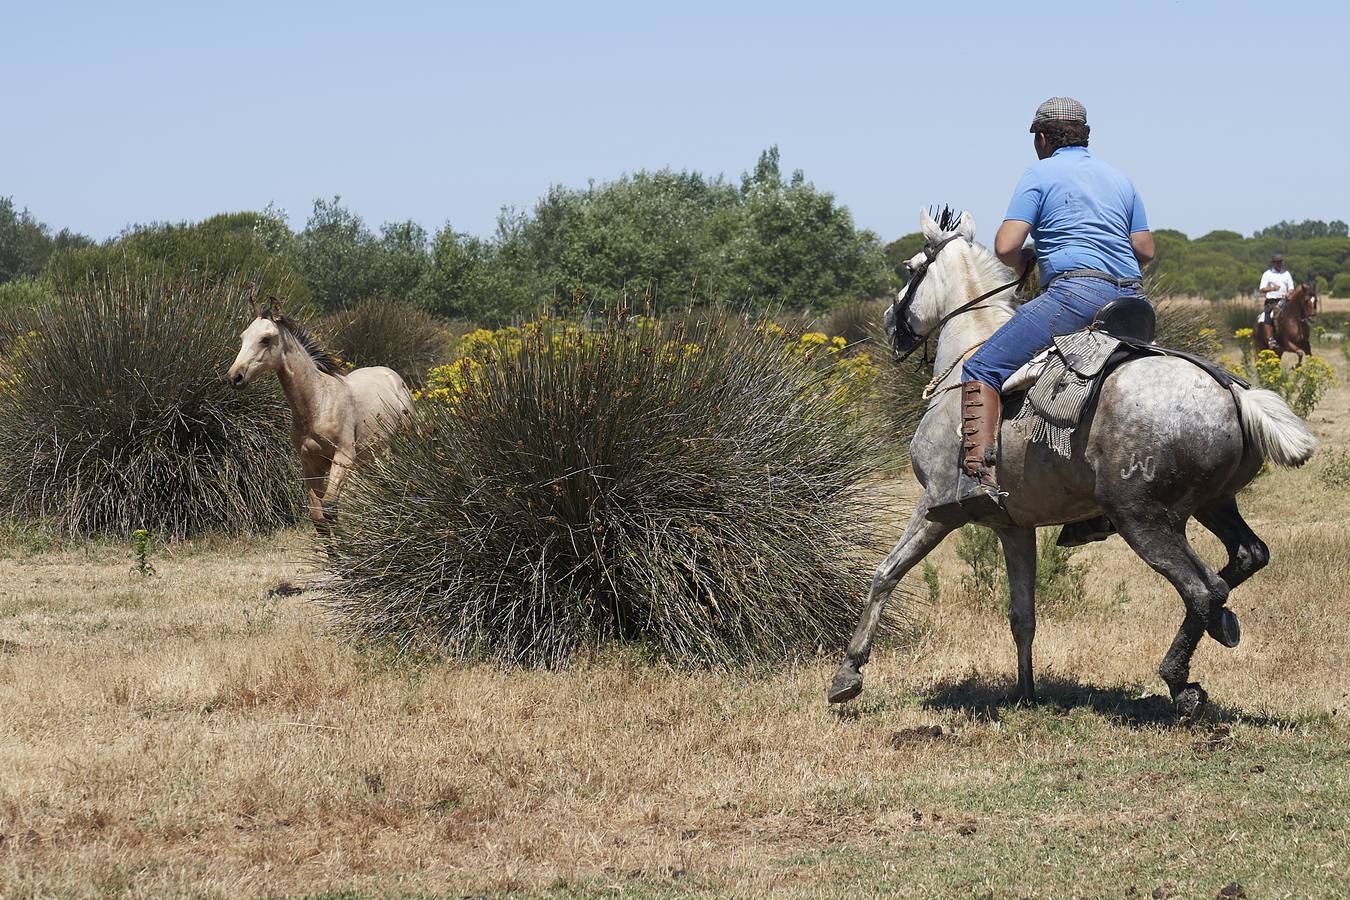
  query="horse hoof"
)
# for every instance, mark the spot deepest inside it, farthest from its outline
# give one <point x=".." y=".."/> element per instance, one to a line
<point x="1190" y="700"/>
<point x="846" y="685"/>
<point x="1225" y="629"/>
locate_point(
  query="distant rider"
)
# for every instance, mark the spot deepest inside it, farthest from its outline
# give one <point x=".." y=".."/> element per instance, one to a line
<point x="1276" y="284"/>
<point x="1091" y="240"/>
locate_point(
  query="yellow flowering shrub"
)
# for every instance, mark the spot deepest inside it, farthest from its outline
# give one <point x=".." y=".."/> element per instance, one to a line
<point x="1242" y="334"/>
<point x="1302" y="387"/>
<point x="853" y="374"/>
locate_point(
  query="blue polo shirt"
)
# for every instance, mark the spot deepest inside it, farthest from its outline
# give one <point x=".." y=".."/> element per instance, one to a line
<point x="1081" y="213"/>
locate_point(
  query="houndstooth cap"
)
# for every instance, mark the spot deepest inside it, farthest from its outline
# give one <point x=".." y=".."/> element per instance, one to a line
<point x="1059" y="109"/>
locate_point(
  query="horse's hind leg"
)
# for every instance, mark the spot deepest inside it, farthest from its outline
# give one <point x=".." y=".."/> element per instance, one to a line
<point x="919" y="539"/>
<point x="1247" y="553"/>
<point x="1019" y="551"/>
<point x="1154" y="533"/>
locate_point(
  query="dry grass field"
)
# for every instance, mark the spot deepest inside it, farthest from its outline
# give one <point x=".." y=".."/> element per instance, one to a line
<point x="196" y="733"/>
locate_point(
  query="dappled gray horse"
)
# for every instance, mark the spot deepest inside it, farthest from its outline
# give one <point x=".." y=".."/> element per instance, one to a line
<point x="1164" y="442"/>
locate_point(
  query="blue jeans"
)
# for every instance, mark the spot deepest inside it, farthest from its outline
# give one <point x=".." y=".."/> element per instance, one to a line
<point x="1066" y="306"/>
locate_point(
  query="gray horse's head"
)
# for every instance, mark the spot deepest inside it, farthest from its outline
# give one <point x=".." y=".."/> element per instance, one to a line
<point x="933" y="283"/>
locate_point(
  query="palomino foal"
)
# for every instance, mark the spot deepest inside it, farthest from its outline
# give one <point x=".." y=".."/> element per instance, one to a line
<point x="337" y="420"/>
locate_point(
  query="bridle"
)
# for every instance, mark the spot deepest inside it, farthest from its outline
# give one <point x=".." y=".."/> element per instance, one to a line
<point x="904" y="339"/>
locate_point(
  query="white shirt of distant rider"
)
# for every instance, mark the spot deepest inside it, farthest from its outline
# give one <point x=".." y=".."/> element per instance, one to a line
<point x="1282" y="282"/>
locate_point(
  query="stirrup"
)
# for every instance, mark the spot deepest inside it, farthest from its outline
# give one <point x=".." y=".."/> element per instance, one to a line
<point x="981" y="502"/>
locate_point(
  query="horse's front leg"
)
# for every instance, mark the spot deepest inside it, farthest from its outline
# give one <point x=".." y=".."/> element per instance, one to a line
<point x="314" y="471"/>
<point x="919" y="539"/>
<point x="337" y="476"/>
<point x="1019" y="551"/>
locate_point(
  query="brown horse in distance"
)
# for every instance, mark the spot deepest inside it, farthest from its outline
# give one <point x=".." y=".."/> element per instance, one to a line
<point x="1293" y="324"/>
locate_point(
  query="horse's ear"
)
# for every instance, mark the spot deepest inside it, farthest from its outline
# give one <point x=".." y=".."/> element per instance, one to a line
<point x="930" y="228"/>
<point x="966" y="227"/>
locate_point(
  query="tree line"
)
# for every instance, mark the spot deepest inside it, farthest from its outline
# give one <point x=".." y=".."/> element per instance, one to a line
<point x="666" y="238"/>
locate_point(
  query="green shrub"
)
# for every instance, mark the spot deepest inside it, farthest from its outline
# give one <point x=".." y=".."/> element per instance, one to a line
<point x="25" y="292"/>
<point x="117" y="416"/>
<point x="406" y="338"/>
<point x="1060" y="583"/>
<point x="217" y="249"/>
<point x="1335" y="472"/>
<point x="1235" y="315"/>
<point x="693" y="489"/>
<point x="1340" y="285"/>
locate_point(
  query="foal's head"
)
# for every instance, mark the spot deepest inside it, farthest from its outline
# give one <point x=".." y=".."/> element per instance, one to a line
<point x="261" y="347"/>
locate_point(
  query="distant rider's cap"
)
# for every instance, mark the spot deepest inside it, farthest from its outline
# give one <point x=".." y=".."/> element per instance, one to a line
<point x="1064" y="110"/>
<point x="1278" y="257"/>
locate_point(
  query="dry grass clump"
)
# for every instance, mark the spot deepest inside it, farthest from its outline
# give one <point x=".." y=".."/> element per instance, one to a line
<point x="377" y="332"/>
<point x="117" y="416"/>
<point x="695" y="488"/>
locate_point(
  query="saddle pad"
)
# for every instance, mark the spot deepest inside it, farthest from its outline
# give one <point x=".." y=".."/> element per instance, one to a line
<point x="1086" y="352"/>
<point x="1060" y="394"/>
<point x="1066" y="385"/>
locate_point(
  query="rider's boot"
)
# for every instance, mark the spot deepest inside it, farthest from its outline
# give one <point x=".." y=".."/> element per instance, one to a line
<point x="977" y="487"/>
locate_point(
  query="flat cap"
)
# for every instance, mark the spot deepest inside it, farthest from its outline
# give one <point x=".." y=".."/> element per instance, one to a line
<point x="1059" y="109"/>
<point x="1278" y="257"/>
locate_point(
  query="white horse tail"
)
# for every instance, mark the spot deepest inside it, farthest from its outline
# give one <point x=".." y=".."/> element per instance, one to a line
<point x="1278" y="434"/>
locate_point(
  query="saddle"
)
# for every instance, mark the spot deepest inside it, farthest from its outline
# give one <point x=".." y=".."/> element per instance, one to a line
<point x="1066" y="377"/>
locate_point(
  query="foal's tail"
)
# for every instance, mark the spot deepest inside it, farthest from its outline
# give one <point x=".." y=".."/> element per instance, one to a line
<point x="1273" y="428"/>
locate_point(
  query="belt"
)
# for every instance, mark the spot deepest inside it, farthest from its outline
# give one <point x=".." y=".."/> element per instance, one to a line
<point x="1096" y="273"/>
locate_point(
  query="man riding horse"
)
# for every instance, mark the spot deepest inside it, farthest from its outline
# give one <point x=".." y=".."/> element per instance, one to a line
<point x="1276" y="284"/>
<point x="1091" y="239"/>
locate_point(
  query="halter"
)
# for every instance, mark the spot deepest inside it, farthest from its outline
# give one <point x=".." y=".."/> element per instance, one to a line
<point x="904" y="339"/>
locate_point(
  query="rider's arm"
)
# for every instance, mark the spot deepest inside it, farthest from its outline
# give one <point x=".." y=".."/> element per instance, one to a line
<point x="1141" y="239"/>
<point x="1012" y="234"/>
<point x="1142" y="244"/>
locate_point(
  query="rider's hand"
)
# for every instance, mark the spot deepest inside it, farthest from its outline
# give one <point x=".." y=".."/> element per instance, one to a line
<point x="1028" y="259"/>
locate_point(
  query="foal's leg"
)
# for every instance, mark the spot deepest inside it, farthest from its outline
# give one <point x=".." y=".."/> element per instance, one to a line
<point x="919" y="539"/>
<point x="1153" y="532"/>
<point x="1247" y="553"/>
<point x="315" y="475"/>
<point x="1019" y="551"/>
<point x="337" y="476"/>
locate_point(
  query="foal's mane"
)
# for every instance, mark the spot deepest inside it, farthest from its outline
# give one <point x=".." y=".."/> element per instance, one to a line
<point x="322" y="358"/>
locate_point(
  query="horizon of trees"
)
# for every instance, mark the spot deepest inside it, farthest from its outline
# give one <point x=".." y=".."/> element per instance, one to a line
<point x="663" y="238"/>
<point x="668" y="238"/>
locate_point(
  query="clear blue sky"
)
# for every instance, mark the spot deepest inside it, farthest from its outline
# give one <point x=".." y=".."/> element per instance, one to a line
<point x="1227" y="115"/>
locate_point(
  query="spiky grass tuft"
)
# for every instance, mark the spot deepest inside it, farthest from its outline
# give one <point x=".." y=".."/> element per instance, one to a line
<point x="378" y="332"/>
<point x="117" y="416"/>
<point x="695" y="489"/>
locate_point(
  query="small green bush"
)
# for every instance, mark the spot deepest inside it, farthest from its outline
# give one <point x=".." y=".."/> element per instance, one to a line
<point x="693" y="489"/>
<point x="406" y="338"/>
<point x="117" y="416"/>
<point x="1335" y="472"/>
<point x="1340" y="285"/>
<point x="25" y="292"/>
<point x="1060" y="583"/>
<point x="1234" y="315"/>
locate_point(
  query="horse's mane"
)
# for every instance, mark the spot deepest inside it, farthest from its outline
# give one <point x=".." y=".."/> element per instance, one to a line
<point x="987" y="265"/>
<point x="322" y="358"/>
